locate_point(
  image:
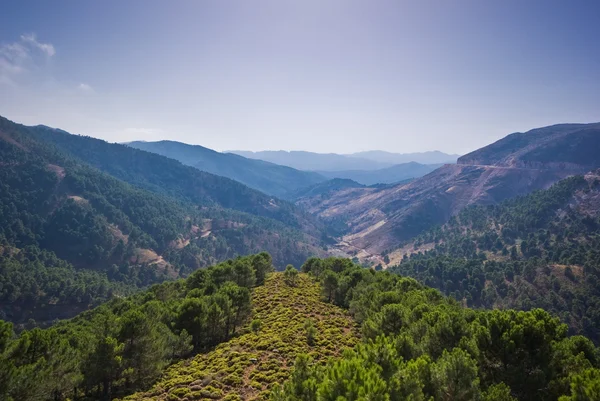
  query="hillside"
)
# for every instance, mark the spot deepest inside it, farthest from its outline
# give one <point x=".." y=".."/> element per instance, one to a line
<point x="123" y="345"/>
<point x="379" y="219"/>
<point x="267" y="177"/>
<point x="225" y="334"/>
<point x="247" y="367"/>
<point x="72" y="236"/>
<point x="388" y="175"/>
<point x="169" y="177"/>
<point x="540" y="250"/>
<point x="325" y="188"/>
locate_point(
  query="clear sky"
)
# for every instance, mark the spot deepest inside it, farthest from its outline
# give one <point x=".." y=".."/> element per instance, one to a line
<point x="318" y="75"/>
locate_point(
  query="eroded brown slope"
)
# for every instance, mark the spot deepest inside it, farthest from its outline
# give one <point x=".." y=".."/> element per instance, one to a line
<point x="381" y="218"/>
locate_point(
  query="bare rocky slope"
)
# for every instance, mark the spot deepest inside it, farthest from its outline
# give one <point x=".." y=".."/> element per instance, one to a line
<point x="379" y="219"/>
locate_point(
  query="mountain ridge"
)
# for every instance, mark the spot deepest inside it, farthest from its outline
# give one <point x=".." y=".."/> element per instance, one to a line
<point x="264" y="176"/>
<point x="380" y="219"/>
<point x="312" y="161"/>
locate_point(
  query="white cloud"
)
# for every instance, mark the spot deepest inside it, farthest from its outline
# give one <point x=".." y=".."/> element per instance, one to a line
<point x="47" y="48"/>
<point x="22" y="56"/>
<point x="85" y="88"/>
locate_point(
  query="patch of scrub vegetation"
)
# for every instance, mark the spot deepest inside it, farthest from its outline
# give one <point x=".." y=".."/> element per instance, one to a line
<point x="289" y="318"/>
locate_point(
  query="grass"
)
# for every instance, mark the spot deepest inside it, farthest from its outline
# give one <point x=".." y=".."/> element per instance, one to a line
<point x="248" y="366"/>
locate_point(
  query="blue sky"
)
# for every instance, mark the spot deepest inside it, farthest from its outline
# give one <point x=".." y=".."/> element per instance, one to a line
<point x="325" y="76"/>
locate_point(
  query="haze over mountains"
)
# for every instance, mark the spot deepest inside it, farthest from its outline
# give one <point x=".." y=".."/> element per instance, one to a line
<point x="370" y="160"/>
<point x="387" y="175"/>
<point x="282" y="180"/>
<point x="267" y="177"/>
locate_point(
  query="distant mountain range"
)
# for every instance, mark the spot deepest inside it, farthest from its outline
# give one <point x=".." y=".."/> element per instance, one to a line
<point x="388" y="175"/>
<point x="280" y="179"/>
<point x="267" y="177"/>
<point x="431" y="157"/>
<point x="371" y="160"/>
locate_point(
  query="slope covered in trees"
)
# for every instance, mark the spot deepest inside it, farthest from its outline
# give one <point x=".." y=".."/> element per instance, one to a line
<point x="415" y="343"/>
<point x="166" y="176"/>
<point x="388" y="175"/>
<point x="72" y="236"/>
<point x="289" y="318"/>
<point x="541" y="250"/>
<point x="419" y="345"/>
<point x="123" y="345"/>
<point x="267" y="177"/>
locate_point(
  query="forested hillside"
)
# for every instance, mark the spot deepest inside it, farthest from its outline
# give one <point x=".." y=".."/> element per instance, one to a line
<point x="541" y="250"/>
<point x="267" y="177"/>
<point x="123" y="345"/>
<point x="72" y="236"/>
<point x="419" y="345"/>
<point x="388" y="175"/>
<point x="166" y="176"/>
<point x="295" y="336"/>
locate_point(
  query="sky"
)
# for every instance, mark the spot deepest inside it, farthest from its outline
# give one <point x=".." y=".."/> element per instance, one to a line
<point x="316" y="75"/>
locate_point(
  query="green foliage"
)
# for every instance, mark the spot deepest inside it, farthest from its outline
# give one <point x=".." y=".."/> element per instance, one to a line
<point x="585" y="386"/>
<point x="290" y="275"/>
<point x="419" y="345"/>
<point x="83" y="221"/>
<point x="536" y="251"/>
<point x="124" y="345"/>
<point x="250" y="365"/>
<point x="255" y="325"/>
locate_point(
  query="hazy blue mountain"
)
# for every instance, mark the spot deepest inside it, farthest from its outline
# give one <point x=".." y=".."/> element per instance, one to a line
<point x="267" y="177"/>
<point x="371" y="160"/>
<point x="311" y="161"/>
<point x="388" y="175"/>
<point x="431" y="157"/>
<point x="325" y="187"/>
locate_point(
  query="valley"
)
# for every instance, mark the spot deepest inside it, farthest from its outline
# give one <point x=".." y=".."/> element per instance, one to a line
<point x="145" y="272"/>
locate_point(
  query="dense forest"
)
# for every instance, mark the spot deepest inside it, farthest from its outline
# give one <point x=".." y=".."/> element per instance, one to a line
<point x="166" y="176"/>
<point x="536" y="251"/>
<point x="123" y="345"/>
<point x="420" y="345"/>
<point x="416" y="344"/>
<point x="72" y="236"/>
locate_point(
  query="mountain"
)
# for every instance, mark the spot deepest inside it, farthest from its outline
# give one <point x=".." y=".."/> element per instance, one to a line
<point x="234" y="331"/>
<point x="310" y="161"/>
<point x="431" y="157"/>
<point x="323" y="189"/>
<point x="82" y="221"/>
<point x="537" y="251"/>
<point x="379" y="219"/>
<point x="388" y="175"/>
<point x="170" y="177"/>
<point x="267" y="177"/>
<point x="333" y="162"/>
